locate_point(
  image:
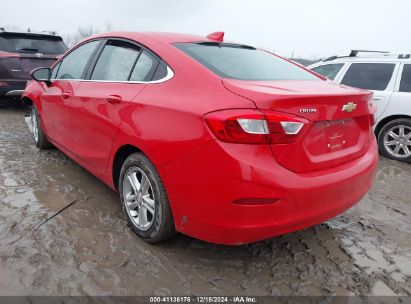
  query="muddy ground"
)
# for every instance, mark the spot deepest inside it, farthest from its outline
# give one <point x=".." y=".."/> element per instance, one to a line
<point x="88" y="249"/>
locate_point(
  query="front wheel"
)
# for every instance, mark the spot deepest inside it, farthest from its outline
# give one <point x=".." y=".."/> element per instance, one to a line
<point x="144" y="200"/>
<point x="39" y="137"/>
<point x="394" y="140"/>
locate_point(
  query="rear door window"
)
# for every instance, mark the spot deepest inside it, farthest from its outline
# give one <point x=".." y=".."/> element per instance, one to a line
<point x="116" y="61"/>
<point x="329" y="71"/>
<point x="369" y="76"/>
<point x="72" y="66"/>
<point x="405" y="84"/>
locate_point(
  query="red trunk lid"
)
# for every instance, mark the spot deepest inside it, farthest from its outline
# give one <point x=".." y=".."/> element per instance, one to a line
<point x="334" y="136"/>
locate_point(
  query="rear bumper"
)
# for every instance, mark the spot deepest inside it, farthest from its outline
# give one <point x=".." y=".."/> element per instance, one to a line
<point x="204" y="187"/>
<point x="12" y="89"/>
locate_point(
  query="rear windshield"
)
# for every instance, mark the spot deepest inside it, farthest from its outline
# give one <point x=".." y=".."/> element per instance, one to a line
<point x="31" y="43"/>
<point x="243" y="62"/>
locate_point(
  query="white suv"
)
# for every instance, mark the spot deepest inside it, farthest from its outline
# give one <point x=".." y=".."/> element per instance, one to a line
<point x="389" y="77"/>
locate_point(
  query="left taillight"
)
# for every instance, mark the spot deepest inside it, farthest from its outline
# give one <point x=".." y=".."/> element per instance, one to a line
<point x="255" y="126"/>
<point x="372" y="110"/>
<point x="9" y="55"/>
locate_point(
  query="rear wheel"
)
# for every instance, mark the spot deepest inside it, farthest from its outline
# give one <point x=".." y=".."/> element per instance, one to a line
<point x="144" y="200"/>
<point x="394" y="140"/>
<point x="39" y="137"/>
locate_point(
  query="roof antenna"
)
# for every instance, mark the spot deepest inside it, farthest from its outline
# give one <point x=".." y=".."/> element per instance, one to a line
<point x="219" y="36"/>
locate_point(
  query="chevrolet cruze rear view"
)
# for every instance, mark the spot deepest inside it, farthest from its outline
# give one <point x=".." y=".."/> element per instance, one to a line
<point x="217" y="140"/>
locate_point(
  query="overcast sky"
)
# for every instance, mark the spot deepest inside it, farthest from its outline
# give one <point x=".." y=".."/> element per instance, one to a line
<point x="311" y="28"/>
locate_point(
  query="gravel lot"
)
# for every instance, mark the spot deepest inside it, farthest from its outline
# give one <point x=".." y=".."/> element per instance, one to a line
<point x="88" y="250"/>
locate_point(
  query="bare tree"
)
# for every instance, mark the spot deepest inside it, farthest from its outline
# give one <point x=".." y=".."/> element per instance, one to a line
<point x="108" y="27"/>
<point x="84" y="32"/>
<point x="68" y="40"/>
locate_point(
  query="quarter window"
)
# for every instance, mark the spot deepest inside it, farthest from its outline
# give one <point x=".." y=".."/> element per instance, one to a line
<point x="116" y="61"/>
<point x="329" y="70"/>
<point x="405" y="85"/>
<point x="72" y="66"/>
<point x="144" y="68"/>
<point x="370" y="76"/>
<point x="161" y="71"/>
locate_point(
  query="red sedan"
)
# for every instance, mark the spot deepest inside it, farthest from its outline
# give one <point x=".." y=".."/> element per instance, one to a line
<point x="217" y="140"/>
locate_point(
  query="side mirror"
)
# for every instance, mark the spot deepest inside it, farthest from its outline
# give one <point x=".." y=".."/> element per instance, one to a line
<point x="42" y="75"/>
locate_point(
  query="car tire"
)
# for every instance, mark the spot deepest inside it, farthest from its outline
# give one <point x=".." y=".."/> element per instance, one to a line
<point x="40" y="139"/>
<point x="144" y="200"/>
<point x="394" y="140"/>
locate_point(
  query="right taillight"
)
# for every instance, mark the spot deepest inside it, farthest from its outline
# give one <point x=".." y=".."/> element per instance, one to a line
<point x="255" y="127"/>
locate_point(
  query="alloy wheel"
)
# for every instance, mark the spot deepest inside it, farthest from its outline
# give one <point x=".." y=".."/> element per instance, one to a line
<point x="34" y="126"/>
<point x="397" y="141"/>
<point x="139" y="198"/>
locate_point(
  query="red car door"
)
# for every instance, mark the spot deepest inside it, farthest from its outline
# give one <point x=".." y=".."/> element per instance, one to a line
<point x="56" y="98"/>
<point x="55" y="101"/>
<point x="99" y="103"/>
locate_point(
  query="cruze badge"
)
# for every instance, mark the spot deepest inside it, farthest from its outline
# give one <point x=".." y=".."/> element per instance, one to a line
<point x="308" y="110"/>
<point x="349" y="107"/>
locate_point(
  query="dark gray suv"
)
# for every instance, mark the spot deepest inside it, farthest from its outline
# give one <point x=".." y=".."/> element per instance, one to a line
<point x="20" y="53"/>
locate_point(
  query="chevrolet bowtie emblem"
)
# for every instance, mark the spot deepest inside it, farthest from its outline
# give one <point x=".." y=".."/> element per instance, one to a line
<point x="349" y="107"/>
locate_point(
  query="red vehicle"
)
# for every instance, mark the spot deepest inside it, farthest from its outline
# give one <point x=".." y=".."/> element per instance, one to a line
<point x="216" y="140"/>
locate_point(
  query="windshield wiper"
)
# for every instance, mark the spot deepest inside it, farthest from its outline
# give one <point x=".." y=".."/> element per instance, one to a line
<point x="27" y="50"/>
